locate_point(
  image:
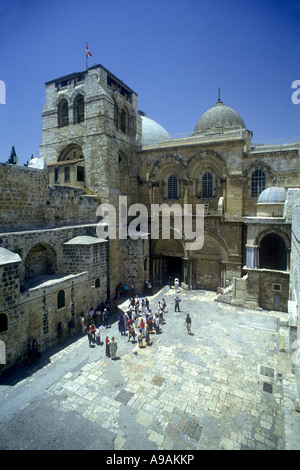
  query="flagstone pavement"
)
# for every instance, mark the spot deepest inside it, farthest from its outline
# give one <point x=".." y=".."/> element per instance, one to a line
<point x="227" y="386"/>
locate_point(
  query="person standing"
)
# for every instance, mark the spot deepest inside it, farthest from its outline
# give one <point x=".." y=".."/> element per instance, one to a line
<point x="142" y="326"/>
<point x="61" y="332"/>
<point x="177" y="301"/>
<point x="140" y="338"/>
<point x="107" y="346"/>
<point x="98" y="338"/>
<point x="147" y="335"/>
<point x="176" y="283"/>
<point x="113" y="348"/>
<point x="82" y="323"/>
<point x="188" y="323"/>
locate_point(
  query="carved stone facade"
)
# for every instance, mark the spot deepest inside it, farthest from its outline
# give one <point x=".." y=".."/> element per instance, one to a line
<point x="96" y="146"/>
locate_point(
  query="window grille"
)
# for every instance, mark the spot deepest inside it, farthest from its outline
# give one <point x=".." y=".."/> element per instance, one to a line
<point x="273" y="253"/>
<point x="258" y="183"/>
<point x="172" y="187"/>
<point x="207" y="185"/>
<point x="79" y="110"/>
<point x="63" y="114"/>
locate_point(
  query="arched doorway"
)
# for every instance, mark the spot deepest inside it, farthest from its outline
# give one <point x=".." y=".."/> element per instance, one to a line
<point x="167" y="260"/>
<point x="209" y="263"/>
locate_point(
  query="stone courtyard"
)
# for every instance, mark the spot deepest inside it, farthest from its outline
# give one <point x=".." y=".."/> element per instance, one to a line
<point x="227" y="386"/>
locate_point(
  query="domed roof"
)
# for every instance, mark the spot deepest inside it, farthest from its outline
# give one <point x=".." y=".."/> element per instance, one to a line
<point x="218" y="119"/>
<point x="272" y="195"/>
<point x="152" y="132"/>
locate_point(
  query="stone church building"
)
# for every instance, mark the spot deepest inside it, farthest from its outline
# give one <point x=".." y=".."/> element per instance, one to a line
<point x="97" y="146"/>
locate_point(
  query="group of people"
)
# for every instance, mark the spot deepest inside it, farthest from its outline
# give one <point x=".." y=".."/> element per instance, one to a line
<point x="93" y="319"/>
<point x="139" y="320"/>
<point x="136" y="323"/>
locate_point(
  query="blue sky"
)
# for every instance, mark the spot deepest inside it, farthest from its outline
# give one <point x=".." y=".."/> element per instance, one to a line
<point x="173" y="53"/>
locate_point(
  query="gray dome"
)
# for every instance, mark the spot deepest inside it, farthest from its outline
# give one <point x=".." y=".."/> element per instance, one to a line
<point x="272" y="195"/>
<point x="152" y="132"/>
<point x="218" y="119"/>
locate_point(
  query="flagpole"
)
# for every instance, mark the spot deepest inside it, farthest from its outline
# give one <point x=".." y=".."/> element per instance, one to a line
<point x="87" y="55"/>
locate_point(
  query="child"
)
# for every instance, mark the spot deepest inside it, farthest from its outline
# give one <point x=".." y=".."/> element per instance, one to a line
<point x="140" y="338"/>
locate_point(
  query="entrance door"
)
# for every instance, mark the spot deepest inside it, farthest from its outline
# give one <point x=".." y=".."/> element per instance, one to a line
<point x="172" y="266"/>
<point x="277" y="302"/>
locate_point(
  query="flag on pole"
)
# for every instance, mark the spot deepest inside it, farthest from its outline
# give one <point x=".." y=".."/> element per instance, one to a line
<point x="88" y="54"/>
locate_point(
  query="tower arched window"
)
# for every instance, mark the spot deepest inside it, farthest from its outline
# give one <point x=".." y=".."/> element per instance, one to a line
<point x="172" y="187"/>
<point x="63" y="113"/>
<point x="124" y="121"/>
<point x="116" y="115"/>
<point x="79" y="109"/>
<point x="207" y="185"/>
<point x="258" y="183"/>
<point x="273" y="253"/>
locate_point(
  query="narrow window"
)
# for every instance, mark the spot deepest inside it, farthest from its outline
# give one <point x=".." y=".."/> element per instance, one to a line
<point x="67" y="173"/>
<point x="80" y="173"/>
<point x="60" y="299"/>
<point x="56" y="175"/>
<point x="79" y="110"/>
<point x="63" y="113"/>
<point x="3" y="322"/>
<point x="258" y="183"/>
<point x="124" y="121"/>
<point x="172" y="187"/>
<point x="97" y="283"/>
<point x="207" y="185"/>
<point x="116" y="115"/>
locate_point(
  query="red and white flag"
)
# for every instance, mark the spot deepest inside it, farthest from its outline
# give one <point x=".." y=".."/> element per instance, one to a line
<point x="88" y="54"/>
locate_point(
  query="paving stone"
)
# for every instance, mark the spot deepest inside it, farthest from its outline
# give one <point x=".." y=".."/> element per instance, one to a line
<point x="218" y="389"/>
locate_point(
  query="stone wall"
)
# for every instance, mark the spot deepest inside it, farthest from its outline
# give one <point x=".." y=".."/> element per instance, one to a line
<point x="294" y="304"/>
<point x="27" y="201"/>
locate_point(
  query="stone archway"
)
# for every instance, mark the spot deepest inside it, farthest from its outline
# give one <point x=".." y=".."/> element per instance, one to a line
<point x="167" y="260"/>
<point x="208" y="265"/>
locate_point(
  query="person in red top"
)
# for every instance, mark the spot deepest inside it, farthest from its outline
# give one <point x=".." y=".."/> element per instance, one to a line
<point x="142" y="326"/>
<point x="107" y="349"/>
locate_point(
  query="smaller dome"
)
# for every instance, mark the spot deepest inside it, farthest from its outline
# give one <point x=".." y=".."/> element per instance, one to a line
<point x="152" y="132"/>
<point x="272" y="195"/>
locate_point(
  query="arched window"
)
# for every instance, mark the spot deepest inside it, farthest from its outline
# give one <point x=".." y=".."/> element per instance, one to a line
<point x="116" y="115"/>
<point x="63" y="113"/>
<point x="172" y="187"/>
<point x="207" y="185"/>
<point x="3" y="322"/>
<point x="124" y="121"/>
<point x="79" y="109"/>
<point x="61" y="299"/>
<point x="97" y="283"/>
<point x="273" y="253"/>
<point x="258" y="183"/>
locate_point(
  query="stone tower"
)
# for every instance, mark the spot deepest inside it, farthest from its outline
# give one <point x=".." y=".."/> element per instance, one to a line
<point x="90" y="120"/>
<point x="91" y="130"/>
